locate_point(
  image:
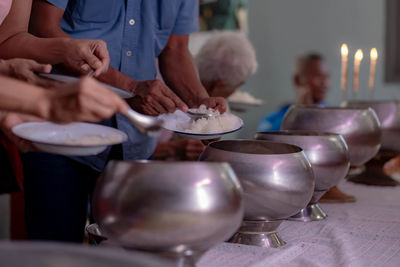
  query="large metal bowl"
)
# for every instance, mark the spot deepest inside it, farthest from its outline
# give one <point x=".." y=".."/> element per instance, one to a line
<point x="388" y="112"/>
<point x="179" y="209"/>
<point x="359" y="127"/>
<point x="329" y="158"/>
<point x="277" y="180"/>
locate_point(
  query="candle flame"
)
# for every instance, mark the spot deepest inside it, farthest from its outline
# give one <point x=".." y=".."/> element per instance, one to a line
<point x="374" y="54"/>
<point x="359" y="55"/>
<point x="344" y="50"/>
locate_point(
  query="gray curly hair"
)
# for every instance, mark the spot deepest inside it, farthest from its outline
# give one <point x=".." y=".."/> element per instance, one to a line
<point x="227" y="56"/>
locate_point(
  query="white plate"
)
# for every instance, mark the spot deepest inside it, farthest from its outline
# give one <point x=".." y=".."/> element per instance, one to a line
<point x="170" y="121"/>
<point x="68" y="79"/>
<point x="53" y="138"/>
<point x="242" y="106"/>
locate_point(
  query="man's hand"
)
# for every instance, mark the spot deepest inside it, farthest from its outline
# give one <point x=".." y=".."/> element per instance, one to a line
<point x="24" y="69"/>
<point x="8" y="121"/>
<point x="154" y="98"/>
<point x="83" y="55"/>
<point x="85" y="100"/>
<point x="217" y="103"/>
<point x="182" y="149"/>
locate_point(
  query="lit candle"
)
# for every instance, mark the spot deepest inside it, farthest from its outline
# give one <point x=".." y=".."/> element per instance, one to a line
<point x="373" y="58"/>
<point x="357" y="60"/>
<point x="344" y="51"/>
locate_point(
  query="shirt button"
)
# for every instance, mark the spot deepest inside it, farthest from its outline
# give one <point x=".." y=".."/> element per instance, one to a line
<point x="132" y="22"/>
<point x="129" y="53"/>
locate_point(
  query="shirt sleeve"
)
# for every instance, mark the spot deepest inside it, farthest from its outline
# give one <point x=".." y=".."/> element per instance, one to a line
<point x="187" y="20"/>
<point x="62" y="4"/>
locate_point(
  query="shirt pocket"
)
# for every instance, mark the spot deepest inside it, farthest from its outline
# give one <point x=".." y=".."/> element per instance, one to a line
<point x="96" y="10"/>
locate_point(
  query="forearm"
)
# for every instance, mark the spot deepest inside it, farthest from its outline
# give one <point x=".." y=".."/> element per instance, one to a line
<point x="16" y="96"/>
<point x="118" y="79"/>
<point x="179" y="73"/>
<point x="25" y="45"/>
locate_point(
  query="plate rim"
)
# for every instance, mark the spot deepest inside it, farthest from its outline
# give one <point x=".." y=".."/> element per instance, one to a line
<point x="212" y="134"/>
<point x="121" y="133"/>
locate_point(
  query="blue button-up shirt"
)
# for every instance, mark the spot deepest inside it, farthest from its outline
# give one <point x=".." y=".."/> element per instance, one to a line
<point x="136" y="32"/>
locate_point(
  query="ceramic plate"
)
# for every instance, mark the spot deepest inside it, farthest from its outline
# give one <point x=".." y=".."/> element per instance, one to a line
<point x="67" y="79"/>
<point x="77" y="139"/>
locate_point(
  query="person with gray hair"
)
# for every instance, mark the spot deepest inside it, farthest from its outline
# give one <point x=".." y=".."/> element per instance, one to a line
<point x="224" y="63"/>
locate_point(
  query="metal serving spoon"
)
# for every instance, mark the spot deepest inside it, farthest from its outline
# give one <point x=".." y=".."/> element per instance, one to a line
<point x="147" y="125"/>
<point x="195" y="116"/>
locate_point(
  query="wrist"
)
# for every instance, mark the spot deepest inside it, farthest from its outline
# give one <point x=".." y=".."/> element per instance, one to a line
<point x="42" y="105"/>
<point x="5" y="67"/>
<point x="59" y="49"/>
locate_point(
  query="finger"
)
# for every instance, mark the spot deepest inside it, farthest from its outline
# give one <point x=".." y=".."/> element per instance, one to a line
<point x="168" y="104"/>
<point x="101" y="52"/>
<point x="178" y="102"/>
<point x="157" y="106"/>
<point x="37" y="67"/>
<point x="93" y="62"/>
<point x="85" y="68"/>
<point x="221" y="105"/>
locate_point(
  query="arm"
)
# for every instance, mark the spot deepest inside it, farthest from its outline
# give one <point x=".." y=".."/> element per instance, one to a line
<point x="152" y="97"/>
<point x="180" y="74"/>
<point x="46" y="22"/>
<point x="15" y="41"/>
<point x="85" y="100"/>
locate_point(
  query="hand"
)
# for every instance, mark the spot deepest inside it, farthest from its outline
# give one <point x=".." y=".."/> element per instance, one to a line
<point x="154" y="98"/>
<point x="218" y="103"/>
<point x="83" y="56"/>
<point x="24" y="69"/>
<point x="182" y="149"/>
<point x="8" y="121"/>
<point x="190" y="149"/>
<point x="84" y="100"/>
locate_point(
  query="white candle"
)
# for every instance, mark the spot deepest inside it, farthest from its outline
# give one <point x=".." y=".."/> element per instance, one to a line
<point x="357" y="61"/>
<point x="344" y="51"/>
<point x="373" y="58"/>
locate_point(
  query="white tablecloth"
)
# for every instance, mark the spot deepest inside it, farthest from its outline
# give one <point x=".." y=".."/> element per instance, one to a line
<point x="365" y="233"/>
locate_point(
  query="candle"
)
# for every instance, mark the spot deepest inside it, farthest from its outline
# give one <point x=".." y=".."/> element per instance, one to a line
<point x="373" y="58"/>
<point x="357" y="60"/>
<point x="344" y="51"/>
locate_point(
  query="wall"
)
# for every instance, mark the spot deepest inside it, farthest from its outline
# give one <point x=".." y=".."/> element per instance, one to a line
<point x="282" y="29"/>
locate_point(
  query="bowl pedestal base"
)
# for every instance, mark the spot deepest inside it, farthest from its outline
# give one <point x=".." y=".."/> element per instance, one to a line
<point x="259" y="233"/>
<point x="312" y="212"/>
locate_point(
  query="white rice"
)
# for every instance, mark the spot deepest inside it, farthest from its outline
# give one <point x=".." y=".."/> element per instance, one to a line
<point x="218" y="123"/>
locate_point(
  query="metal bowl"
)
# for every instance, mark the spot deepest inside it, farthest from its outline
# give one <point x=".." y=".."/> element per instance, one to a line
<point x="329" y="158"/>
<point x="277" y="180"/>
<point x="359" y="127"/>
<point x="388" y="112"/>
<point x="178" y="209"/>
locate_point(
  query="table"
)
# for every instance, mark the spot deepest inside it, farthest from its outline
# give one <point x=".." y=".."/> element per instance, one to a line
<point x="365" y="233"/>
